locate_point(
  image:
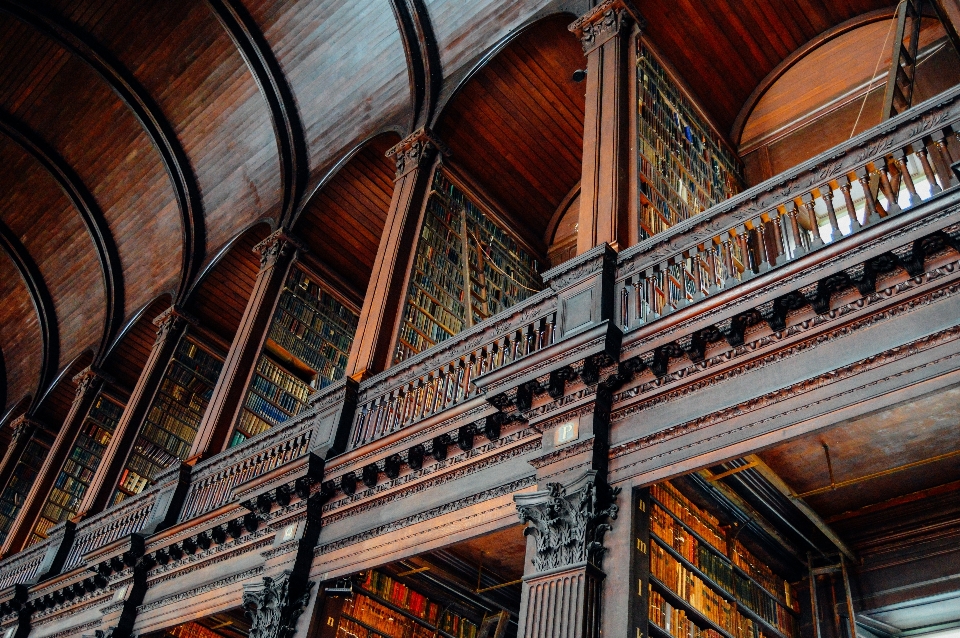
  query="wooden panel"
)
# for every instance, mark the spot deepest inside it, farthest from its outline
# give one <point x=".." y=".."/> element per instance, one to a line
<point x="129" y="355"/>
<point x="464" y="30"/>
<point x="219" y="300"/>
<point x="346" y="66"/>
<point x="343" y="222"/>
<point x="36" y="210"/>
<point x="723" y="49"/>
<point x="20" y="338"/>
<point x="87" y="124"/>
<point x="55" y="406"/>
<point x="517" y="126"/>
<point x="188" y="64"/>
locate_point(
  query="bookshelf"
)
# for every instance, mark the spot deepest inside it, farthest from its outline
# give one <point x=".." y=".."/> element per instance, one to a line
<point x="696" y="582"/>
<point x="467" y="268"/>
<point x="684" y="167"/>
<point x="382" y="607"/>
<point x="174" y="416"/>
<point x="80" y="466"/>
<point x="22" y="478"/>
<point x="307" y="347"/>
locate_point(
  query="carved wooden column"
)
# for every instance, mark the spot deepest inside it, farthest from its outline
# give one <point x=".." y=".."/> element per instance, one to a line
<point x="607" y="210"/>
<point x="89" y="383"/>
<point x="273" y="606"/>
<point x="23" y="428"/>
<point x="170" y="326"/>
<point x="384" y="299"/>
<point x="562" y="597"/>
<point x="277" y="252"/>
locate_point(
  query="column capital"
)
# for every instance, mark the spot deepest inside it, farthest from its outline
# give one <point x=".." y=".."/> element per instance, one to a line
<point x="419" y="145"/>
<point x="277" y="246"/>
<point x="271" y="608"/>
<point x="172" y="320"/>
<point x="605" y="21"/>
<point x="87" y="380"/>
<point x="21" y="425"/>
<point x="569" y="521"/>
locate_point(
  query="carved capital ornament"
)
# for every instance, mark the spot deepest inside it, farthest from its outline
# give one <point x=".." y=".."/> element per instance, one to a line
<point x="170" y="321"/>
<point x="278" y="246"/>
<point x="605" y="21"/>
<point x="271" y="611"/>
<point x="419" y="145"/>
<point x="568" y="521"/>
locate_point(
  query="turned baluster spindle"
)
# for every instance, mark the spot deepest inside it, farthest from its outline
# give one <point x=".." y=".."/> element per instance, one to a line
<point x="798" y="244"/>
<point x="921" y="153"/>
<point x="863" y="176"/>
<point x="946" y="158"/>
<point x="726" y="249"/>
<point x="901" y="159"/>
<point x="845" y="188"/>
<point x="518" y="339"/>
<point x="552" y="325"/>
<point x="696" y="272"/>
<point x="810" y="208"/>
<point x="826" y="192"/>
<point x="886" y="185"/>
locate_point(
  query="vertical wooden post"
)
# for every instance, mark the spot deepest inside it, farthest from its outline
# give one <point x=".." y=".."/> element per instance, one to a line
<point x="384" y="299"/>
<point x="277" y="252"/>
<point x="606" y="208"/>
<point x="89" y="383"/>
<point x="170" y="326"/>
<point x="23" y="428"/>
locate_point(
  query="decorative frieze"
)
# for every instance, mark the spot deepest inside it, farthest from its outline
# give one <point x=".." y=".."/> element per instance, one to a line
<point x="604" y="21"/>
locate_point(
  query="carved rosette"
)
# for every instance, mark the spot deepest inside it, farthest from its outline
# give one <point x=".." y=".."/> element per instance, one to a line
<point x="419" y="145"/>
<point x="604" y="21"/>
<point x="271" y="611"/>
<point x="275" y="248"/>
<point x="569" y="521"/>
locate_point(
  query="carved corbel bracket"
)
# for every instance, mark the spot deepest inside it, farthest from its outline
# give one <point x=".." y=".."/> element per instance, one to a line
<point x="605" y="21"/>
<point x="421" y="145"/>
<point x="172" y="320"/>
<point x="276" y="247"/>
<point x="569" y="521"/>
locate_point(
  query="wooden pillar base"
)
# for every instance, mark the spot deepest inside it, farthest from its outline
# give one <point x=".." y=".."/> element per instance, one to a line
<point x="562" y="604"/>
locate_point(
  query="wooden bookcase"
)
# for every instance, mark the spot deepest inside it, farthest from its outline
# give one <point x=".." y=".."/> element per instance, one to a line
<point x="22" y="478"/>
<point x="307" y="348"/>
<point x="382" y="607"/>
<point x="467" y="267"/>
<point x="684" y="166"/>
<point x="78" y="470"/>
<point x="692" y="581"/>
<point x="174" y="416"/>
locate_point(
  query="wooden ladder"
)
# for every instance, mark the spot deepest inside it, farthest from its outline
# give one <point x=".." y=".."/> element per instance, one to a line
<point x="903" y="66"/>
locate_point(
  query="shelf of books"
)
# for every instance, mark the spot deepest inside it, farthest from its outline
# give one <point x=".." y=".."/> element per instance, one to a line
<point x="704" y="585"/>
<point x="78" y="470"/>
<point x="174" y="417"/>
<point x="307" y="348"/>
<point x="466" y="269"/>
<point x="684" y="168"/>
<point x="382" y="607"/>
<point x="22" y="478"/>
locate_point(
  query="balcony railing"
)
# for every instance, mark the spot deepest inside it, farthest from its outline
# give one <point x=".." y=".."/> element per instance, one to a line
<point x="860" y="183"/>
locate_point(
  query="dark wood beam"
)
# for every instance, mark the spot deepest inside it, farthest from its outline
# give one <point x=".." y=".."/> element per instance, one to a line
<point x="42" y="302"/>
<point x="287" y="126"/>
<point x="423" y="58"/>
<point x="90" y="213"/>
<point x="147" y="112"/>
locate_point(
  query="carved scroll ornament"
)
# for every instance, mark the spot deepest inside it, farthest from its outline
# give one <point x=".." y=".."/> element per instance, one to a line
<point x="568" y="521"/>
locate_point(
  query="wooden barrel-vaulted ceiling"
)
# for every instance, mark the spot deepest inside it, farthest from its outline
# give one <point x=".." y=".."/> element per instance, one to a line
<point x="139" y="139"/>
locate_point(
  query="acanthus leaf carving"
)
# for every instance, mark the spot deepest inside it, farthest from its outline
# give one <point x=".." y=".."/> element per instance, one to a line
<point x="270" y="607"/>
<point x="569" y="521"/>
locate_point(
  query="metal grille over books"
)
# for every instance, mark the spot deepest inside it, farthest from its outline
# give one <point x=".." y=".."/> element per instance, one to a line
<point x="96" y="532"/>
<point x="442" y="377"/>
<point x="852" y="187"/>
<point x="211" y="483"/>
<point x="22" y="567"/>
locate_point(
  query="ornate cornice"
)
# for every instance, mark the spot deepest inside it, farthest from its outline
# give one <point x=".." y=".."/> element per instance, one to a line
<point x="419" y="146"/>
<point x="203" y="589"/>
<point x="568" y="521"/>
<point x="604" y="21"/>
<point x="277" y="247"/>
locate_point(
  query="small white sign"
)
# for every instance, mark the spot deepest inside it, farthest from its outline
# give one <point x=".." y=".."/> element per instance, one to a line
<point x="289" y="531"/>
<point x="120" y="593"/>
<point x="569" y="431"/>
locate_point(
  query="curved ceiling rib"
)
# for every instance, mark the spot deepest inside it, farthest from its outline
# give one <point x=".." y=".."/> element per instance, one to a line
<point x="42" y="302"/>
<point x="423" y="57"/>
<point x="90" y="212"/>
<point x="147" y="112"/>
<point x="287" y="125"/>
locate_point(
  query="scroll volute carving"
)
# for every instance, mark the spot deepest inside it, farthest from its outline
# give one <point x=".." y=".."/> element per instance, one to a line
<point x="272" y="611"/>
<point x="569" y="521"/>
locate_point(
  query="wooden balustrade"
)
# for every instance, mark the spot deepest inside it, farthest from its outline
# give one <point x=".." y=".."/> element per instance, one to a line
<point x="129" y="517"/>
<point x="23" y="567"/>
<point x="443" y="377"/>
<point x="861" y="183"/>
